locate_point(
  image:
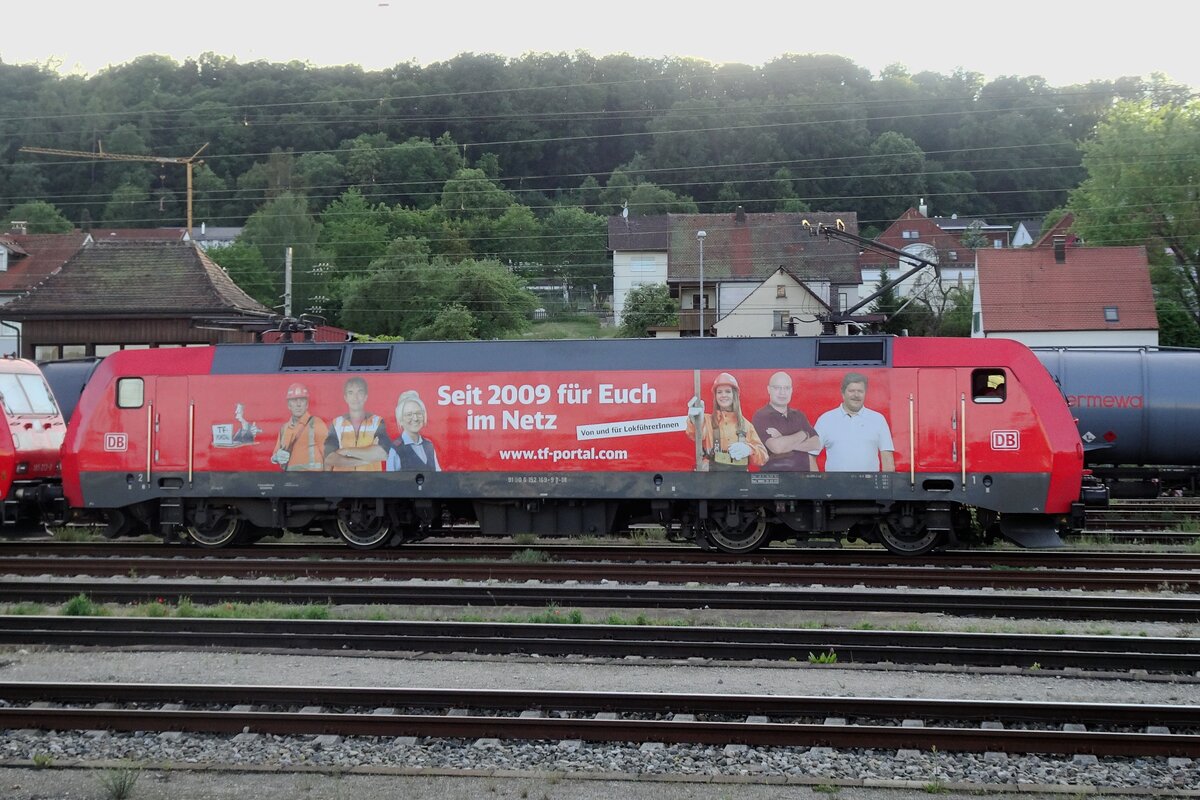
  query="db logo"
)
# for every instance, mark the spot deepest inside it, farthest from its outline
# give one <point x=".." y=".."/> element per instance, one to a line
<point x="1006" y="440"/>
<point x="116" y="442"/>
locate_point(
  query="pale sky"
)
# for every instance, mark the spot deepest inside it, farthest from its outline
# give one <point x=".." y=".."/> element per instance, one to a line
<point x="1064" y="41"/>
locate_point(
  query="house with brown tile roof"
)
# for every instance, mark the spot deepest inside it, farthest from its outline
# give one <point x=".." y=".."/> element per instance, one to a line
<point x="1081" y="296"/>
<point x="26" y="259"/>
<point x="741" y="251"/>
<point x="112" y="295"/>
<point x="140" y="234"/>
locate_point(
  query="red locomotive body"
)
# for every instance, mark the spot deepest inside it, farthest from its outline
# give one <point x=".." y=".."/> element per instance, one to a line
<point x="30" y="441"/>
<point x="894" y="440"/>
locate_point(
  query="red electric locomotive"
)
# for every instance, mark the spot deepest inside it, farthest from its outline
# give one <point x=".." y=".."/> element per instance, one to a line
<point x="29" y="447"/>
<point x="731" y="443"/>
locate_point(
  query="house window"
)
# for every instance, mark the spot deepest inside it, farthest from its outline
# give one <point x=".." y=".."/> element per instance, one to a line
<point x="696" y="300"/>
<point x="74" y="351"/>
<point x="976" y="322"/>
<point x="641" y="265"/>
<point x="997" y="243"/>
<point x="1111" y="315"/>
<point x="953" y="255"/>
<point x="910" y="234"/>
<point x="781" y="320"/>
<point x="780" y="291"/>
<point x="106" y="349"/>
<point x="3" y="260"/>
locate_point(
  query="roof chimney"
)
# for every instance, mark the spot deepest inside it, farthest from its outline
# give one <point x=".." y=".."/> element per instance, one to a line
<point x="740" y="216"/>
<point x="1060" y="249"/>
<point x="924" y="209"/>
<point x="19" y="226"/>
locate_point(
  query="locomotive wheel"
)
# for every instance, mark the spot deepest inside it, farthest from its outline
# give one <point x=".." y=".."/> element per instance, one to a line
<point x="745" y="532"/>
<point x="906" y="534"/>
<point x="215" y="528"/>
<point x="363" y="531"/>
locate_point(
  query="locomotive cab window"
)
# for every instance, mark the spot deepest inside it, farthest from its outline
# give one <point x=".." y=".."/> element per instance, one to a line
<point x="131" y="393"/>
<point x="989" y="386"/>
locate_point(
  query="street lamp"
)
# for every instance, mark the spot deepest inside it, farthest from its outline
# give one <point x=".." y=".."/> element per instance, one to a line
<point x="700" y="238"/>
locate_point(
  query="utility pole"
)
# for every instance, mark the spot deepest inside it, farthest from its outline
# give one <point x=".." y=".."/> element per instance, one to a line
<point x="287" y="282"/>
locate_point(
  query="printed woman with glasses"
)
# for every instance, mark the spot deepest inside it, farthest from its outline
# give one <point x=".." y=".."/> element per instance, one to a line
<point x="411" y="451"/>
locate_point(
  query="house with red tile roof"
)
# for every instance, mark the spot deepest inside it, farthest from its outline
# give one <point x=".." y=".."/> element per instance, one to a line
<point x="26" y="259"/>
<point x="740" y="252"/>
<point x="1062" y="228"/>
<point x="1069" y="296"/>
<point x="937" y="239"/>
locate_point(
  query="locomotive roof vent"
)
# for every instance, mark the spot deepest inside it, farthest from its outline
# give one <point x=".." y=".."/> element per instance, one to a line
<point x="370" y="358"/>
<point x="311" y="358"/>
<point x="852" y="350"/>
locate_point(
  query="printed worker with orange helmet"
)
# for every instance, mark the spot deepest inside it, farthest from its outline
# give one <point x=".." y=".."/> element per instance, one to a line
<point x="300" y="446"/>
<point x="735" y="445"/>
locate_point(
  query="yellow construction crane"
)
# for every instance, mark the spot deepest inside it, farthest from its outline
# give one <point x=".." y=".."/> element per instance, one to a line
<point x="188" y="162"/>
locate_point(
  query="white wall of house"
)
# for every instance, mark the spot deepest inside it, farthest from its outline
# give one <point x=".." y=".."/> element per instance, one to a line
<point x="765" y="310"/>
<point x="1080" y="338"/>
<point x="731" y="294"/>
<point x="10" y="332"/>
<point x="632" y="269"/>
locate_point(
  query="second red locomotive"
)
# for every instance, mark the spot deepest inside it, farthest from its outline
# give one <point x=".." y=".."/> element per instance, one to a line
<point x="732" y="443"/>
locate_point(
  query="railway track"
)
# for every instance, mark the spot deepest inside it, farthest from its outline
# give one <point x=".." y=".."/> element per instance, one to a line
<point x="761" y="573"/>
<point x="841" y="646"/>
<point x="1046" y="605"/>
<point x="1067" y="558"/>
<point x="1163" y="520"/>
<point x="948" y="725"/>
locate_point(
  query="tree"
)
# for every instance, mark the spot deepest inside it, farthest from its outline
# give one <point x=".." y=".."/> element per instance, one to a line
<point x="41" y="217"/>
<point x="129" y="207"/>
<point x="888" y="303"/>
<point x="454" y="322"/>
<point x="354" y="232"/>
<point x="1143" y="177"/>
<point x="282" y="223"/>
<point x="576" y="245"/>
<point x="408" y="293"/>
<point x="245" y="266"/>
<point x="647" y="306"/>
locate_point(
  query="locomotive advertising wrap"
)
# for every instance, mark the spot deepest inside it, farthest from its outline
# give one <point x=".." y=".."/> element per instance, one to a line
<point x="569" y="422"/>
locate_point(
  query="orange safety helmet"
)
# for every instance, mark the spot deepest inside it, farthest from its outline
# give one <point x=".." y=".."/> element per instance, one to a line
<point x="297" y="390"/>
<point x="725" y="379"/>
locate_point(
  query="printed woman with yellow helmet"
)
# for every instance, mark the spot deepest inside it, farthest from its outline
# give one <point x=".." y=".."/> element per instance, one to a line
<point x="736" y="445"/>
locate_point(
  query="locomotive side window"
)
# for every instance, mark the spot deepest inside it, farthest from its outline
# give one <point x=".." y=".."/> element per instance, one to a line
<point x="131" y="393"/>
<point x="989" y="386"/>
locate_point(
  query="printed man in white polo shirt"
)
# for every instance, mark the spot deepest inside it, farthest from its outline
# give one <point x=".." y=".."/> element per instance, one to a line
<point x="855" y="438"/>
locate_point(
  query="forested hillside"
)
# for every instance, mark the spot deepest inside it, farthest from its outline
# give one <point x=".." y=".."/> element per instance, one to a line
<point x="552" y="128"/>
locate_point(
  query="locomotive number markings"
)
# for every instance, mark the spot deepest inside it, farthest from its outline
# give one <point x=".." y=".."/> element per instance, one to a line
<point x="116" y="442"/>
<point x="1006" y="440"/>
